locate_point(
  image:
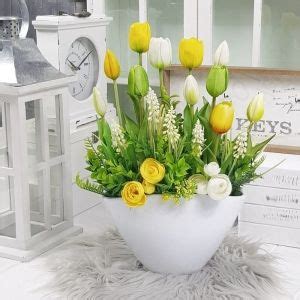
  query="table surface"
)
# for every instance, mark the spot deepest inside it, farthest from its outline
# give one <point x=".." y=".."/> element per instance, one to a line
<point x="21" y="280"/>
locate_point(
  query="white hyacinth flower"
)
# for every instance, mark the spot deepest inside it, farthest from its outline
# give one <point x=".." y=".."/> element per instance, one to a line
<point x="222" y="54"/>
<point x="117" y="137"/>
<point x="153" y="107"/>
<point x="240" y="147"/>
<point x="170" y="129"/>
<point x="198" y="138"/>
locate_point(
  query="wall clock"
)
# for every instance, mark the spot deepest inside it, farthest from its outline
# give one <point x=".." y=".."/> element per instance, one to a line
<point x="83" y="61"/>
<point x="76" y="46"/>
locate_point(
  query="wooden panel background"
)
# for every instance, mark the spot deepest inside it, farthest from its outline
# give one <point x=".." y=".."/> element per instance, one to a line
<point x="41" y="7"/>
<point x="281" y="86"/>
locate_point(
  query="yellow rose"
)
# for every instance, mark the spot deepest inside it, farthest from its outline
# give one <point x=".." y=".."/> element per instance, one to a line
<point x="111" y="65"/>
<point x="152" y="171"/>
<point x="133" y="194"/>
<point x="191" y="52"/>
<point x="139" y="37"/>
<point x="149" y="188"/>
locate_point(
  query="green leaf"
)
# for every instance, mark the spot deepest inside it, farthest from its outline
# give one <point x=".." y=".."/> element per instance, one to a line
<point x="131" y="127"/>
<point x="259" y="147"/>
<point x="187" y="124"/>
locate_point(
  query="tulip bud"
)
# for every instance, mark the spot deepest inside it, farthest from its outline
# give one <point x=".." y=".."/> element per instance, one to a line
<point x="160" y="53"/>
<point x="217" y="81"/>
<point x="111" y="65"/>
<point x="191" y="52"/>
<point x="138" y="83"/>
<point x="191" y="90"/>
<point x="139" y="37"/>
<point x="222" y="55"/>
<point x="256" y="108"/>
<point x="221" y="117"/>
<point x="100" y="105"/>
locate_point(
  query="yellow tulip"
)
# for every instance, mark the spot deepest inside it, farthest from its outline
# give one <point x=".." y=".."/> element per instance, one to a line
<point x="221" y="118"/>
<point x="256" y="108"/>
<point x="191" y="52"/>
<point x="149" y="188"/>
<point x="152" y="171"/>
<point x="111" y="65"/>
<point x="133" y="194"/>
<point x="139" y="37"/>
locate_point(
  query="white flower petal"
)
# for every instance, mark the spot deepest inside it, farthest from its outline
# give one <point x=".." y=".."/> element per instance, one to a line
<point x="219" y="187"/>
<point x="212" y="169"/>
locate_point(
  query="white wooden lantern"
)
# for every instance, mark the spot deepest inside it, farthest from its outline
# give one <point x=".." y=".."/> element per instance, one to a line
<point x="35" y="178"/>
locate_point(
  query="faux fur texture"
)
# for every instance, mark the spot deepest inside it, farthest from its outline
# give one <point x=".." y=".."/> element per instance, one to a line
<point x="104" y="268"/>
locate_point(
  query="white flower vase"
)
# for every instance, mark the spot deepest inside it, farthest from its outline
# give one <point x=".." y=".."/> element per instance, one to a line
<point x="175" y="239"/>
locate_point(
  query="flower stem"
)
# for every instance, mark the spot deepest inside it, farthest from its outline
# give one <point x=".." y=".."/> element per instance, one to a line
<point x="192" y="110"/>
<point x="117" y="103"/>
<point x="161" y="82"/>
<point x="140" y="59"/>
<point x="213" y="104"/>
<point x="232" y="167"/>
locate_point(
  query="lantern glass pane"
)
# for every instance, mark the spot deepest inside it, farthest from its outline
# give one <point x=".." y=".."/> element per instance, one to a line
<point x="34" y="125"/>
<point x="54" y="126"/>
<point x="56" y="194"/>
<point x="36" y="194"/>
<point x="5" y="160"/>
<point x="7" y="207"/>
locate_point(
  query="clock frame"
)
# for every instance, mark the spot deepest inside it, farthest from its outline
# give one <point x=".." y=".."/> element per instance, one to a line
<point x="55" y="35"/>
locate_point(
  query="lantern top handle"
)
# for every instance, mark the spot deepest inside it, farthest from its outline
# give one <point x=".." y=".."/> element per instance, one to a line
<point x="25" y="19"/>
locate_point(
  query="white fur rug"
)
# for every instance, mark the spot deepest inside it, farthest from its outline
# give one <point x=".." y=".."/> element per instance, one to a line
<point x="104" y="268"/>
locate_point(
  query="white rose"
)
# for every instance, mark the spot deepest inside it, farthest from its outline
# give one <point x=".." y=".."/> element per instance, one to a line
<point x="202" y="187"/>
<point x="212" y="169"/>
<point x="219" y="187"/>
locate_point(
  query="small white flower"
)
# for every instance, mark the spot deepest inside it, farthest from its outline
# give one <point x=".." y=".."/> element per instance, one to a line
<point x="170" y="128"/>
<point x="117" y="136"/>
<point x="152" y="107"/>
<point x="212" y="169"/>
<point x="198" y="138"/>
<point x="240" y="147"/>
<point x="191" y="90"/>
<point x="219" y="187"/>
<point x="222" y="54"/>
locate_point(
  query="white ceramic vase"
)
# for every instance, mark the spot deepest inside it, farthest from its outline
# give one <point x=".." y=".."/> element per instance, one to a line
<point x="175" y="239"/>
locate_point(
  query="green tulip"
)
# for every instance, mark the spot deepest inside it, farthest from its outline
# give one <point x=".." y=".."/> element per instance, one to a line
<point x="217" y="80"/>
<point x="138" y="83"/>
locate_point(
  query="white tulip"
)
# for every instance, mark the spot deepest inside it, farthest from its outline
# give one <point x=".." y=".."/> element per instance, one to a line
<point x="100" y="104"/>
<point x="191" y="90"/>
<point x="219" y="187"/>
<point x="160" y="53"/>
<point x="212" y="169"/>
<point x="222" y="54"/>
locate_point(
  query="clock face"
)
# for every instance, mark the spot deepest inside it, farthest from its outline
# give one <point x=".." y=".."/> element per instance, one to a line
<point x="83" y="61"/>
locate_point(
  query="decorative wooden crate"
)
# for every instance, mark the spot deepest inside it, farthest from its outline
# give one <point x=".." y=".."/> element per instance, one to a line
<point x="272" y="209"/>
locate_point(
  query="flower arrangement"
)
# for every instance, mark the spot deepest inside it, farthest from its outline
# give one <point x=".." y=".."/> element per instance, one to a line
<point x="161" y="150"/>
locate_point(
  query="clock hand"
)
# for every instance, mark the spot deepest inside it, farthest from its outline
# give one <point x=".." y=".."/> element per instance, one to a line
<point x="85" y="59"/>
<point x="72" y="65"/>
